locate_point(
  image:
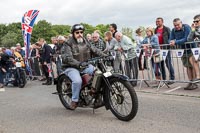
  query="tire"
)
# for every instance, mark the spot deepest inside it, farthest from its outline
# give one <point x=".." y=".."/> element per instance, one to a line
<point x="64" y="91"/>
<point x="22" y="79"/>
<point x="121" y="100"/>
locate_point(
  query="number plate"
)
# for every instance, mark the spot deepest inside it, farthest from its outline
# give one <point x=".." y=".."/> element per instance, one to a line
<point x="107" y="74"/>
<point x="18" y="64"/>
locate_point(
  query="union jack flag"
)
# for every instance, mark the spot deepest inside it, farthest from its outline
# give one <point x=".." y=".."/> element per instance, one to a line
<point x="27" y="26"/>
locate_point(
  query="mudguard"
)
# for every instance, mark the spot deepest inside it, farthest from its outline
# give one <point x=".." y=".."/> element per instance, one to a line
<point x="119" y="76"/>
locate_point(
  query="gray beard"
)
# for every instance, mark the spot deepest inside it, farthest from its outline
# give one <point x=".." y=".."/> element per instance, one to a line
<point x="80" y="40"/>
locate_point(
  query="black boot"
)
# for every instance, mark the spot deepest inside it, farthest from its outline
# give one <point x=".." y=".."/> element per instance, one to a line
<point x="45" y="82"/>
<point x="55" y="81"/>
<point x="49" y="81"/>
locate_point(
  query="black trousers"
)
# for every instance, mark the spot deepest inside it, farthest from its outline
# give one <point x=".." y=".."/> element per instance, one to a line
<point x="45" y="71"/>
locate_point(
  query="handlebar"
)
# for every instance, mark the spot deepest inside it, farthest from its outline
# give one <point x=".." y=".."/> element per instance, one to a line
<point x="106" y="58"/>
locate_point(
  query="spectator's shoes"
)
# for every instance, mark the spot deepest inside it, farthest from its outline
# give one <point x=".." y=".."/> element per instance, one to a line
<point x="191" y="86"/>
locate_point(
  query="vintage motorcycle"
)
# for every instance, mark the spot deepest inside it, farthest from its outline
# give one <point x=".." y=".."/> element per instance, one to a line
<point x="104" y="88"/>
<point x="16" y="74"/>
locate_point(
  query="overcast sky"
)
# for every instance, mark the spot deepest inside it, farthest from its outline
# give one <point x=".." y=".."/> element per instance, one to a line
<point x="125" y="13"/>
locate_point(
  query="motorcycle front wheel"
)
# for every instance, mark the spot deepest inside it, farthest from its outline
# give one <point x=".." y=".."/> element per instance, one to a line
<point x="122" y="99"/>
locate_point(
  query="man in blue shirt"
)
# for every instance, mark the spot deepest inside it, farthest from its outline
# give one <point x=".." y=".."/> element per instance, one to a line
<point x="178" y="37"/>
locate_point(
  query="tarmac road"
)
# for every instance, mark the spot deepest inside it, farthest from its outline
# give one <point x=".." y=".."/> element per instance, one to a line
<point x="34" y="109"/>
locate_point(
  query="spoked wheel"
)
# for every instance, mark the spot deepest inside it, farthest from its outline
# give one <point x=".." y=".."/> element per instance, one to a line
<point x="122" y="99"/>
<point x="65" y="91"/>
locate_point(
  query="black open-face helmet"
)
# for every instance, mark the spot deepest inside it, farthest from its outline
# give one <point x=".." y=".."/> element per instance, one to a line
<point x="77" y="27"/>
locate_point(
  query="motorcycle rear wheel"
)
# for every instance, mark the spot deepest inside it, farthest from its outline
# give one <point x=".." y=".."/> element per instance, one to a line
<point x="65" y="91"/>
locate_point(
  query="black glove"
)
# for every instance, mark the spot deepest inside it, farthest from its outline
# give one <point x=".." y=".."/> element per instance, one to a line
<point x="83" y="64"/>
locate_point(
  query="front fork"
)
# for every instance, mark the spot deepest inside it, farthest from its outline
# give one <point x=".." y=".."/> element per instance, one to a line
<point x="111" y="90"/>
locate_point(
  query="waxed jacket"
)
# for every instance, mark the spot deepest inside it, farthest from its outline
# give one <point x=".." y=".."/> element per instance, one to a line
<point x="73" y="54"/>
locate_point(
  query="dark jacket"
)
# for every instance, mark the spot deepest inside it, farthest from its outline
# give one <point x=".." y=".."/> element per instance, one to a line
<point x="166" y="36"/>
<point x="73" y="53"/>
<point x="46" y="53"/>
<point x="4" y="61"/>
<point x="57" y="48"/>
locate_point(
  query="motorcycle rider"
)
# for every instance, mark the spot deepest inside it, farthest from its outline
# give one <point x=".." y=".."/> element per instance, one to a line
<point x="75" y="52"/>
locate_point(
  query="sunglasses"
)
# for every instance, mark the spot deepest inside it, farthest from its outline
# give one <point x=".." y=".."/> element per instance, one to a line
<point x="79" y="32"/>
<point x="196" y="21"/>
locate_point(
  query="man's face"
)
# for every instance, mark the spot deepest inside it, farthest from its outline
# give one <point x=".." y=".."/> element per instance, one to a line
<point x="54" y="41"/>
<point x="89" y="37"/>
<point x="41" y="42"/>
<point x="111" y="28"/>
<point x="18" y="47"/>
<point x="159" y="22"/>
<point x="178" y="25"/>
<point x="118" y="38"/>
<point x="95" y="38"/>
<point x="61" y="41"/>
<point x="79" y="36"/>
<point x="196" y="22"/>
<point x="108" y="37"/>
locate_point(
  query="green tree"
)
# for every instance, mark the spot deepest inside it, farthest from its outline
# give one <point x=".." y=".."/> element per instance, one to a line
<point x="42" y="29"/>
<point x="61" y="29"/>
<point x="3" y="32"/>
<point x="9" y="39"/>
<point x="128" y="32"/>
<point x="102" y="28"/>
<point x="16" y="28"/>
<point x="88" y="28"/>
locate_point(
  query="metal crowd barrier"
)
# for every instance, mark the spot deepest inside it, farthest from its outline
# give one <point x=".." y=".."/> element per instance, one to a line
<point x="36" y="69"/>
<point x="157" y="68"/>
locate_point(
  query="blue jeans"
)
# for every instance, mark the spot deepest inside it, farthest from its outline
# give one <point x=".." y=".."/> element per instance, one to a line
<point x="160" y="66"/>
<point x="76" y="79"/>
<point x="170" y="68"/>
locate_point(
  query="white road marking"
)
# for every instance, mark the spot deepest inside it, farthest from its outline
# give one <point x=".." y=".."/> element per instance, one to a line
<point x="2" y="89"/>
<point x="173" y="89"/>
